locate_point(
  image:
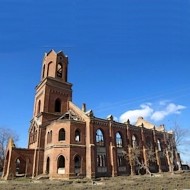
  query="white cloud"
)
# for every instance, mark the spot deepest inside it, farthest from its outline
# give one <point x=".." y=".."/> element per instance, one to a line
<point x="132" y="115"/>
<point x="164" y="108"/>
<point x="171" y="108"/>
<point x="163" y="102"/>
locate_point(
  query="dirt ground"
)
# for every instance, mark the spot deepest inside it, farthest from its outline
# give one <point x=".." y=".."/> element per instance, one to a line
<point x="157" y="182"/>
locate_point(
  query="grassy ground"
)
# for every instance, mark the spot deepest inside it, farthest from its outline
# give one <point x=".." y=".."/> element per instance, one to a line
<point x="158" y="182"/>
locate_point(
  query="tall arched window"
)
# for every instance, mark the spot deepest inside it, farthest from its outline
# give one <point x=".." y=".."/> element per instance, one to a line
<point x="43" y="72"/>
<point x="99" y="138"/>
<point x="62" y="134"/>
<point x="77" y="135"/>
<point x="134" y="141"/>
<point x="48" y="69"/>
<point x="159" y="145"/>
<point x="61" y="165"/>
<point x="20" y="164"/>
<point x="50" y="136"/>
<point x="118" y="140"/>
<point x="59" y="70"/>
<point x="39" y="107"/>
<point x="57" y="105"/>
<point x="17" y="166"/>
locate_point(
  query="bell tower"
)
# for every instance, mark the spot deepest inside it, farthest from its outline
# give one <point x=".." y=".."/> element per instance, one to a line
<point x="51" y="101"/>
<point x="54" y="91"/>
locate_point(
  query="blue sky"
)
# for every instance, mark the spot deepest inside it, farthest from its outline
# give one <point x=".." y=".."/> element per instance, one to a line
<point x="126" y="58"/>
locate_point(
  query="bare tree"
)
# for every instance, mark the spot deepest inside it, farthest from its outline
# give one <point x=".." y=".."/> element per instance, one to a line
<point x="134" y="158"/>
<point x="175" y="139"/>
<point x="5" y="135"/>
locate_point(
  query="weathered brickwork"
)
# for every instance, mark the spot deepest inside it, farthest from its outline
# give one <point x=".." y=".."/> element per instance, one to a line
<point x="68" y="142"/>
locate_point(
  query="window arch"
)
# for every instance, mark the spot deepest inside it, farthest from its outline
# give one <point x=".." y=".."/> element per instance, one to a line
<point x="77" y="135"/>
<point x="57" y="105"/>
<point x="62" y="134"/>
<point x="119" y="142"/>
<point x="61" y="165"/>
<point x="99" y="138"/>
<point x="59" y="70"/>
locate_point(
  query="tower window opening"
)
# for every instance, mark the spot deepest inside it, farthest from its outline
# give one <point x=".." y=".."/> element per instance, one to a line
<point x="59" y="70"/>
<point x="43" y="72"/>
<point x="48" y="68"/>
<point x="39" y="107"/>
<point x="57" y="105"/>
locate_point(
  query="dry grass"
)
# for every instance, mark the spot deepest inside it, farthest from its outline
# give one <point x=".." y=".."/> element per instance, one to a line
<point x="160" y="182"/>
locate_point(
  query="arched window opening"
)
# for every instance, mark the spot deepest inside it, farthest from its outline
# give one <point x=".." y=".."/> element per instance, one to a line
<point x="77" y="135"/>
<point x="159" y="145"/>
<point x="39" y="107"/>
<point x="119" y="143"/>
<point x="59" y="70"/>
<point x="134" y="141"/>
<point x="58" y="105"/>
<point x="62" y="134"/>
<point x="17" y="165"/>
<point x="50" y="137"/>
<point x="77" y="164"/>
<point x="20" y="166"/>
<point x="99" y="138"/>
<point x="48" y="68"/>
<point x="43" y="72"/>
<point x="61" y="165"/>
<point x="47" y="165"/>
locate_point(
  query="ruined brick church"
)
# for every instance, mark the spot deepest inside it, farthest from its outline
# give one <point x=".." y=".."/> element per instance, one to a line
<point x="66" y="141"/>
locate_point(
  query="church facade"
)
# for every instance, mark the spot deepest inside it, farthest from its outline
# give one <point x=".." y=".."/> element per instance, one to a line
<point x="66" y="141"/>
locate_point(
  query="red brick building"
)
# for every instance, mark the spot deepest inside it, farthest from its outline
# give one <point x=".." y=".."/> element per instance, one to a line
<point x="66" y="141"/>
